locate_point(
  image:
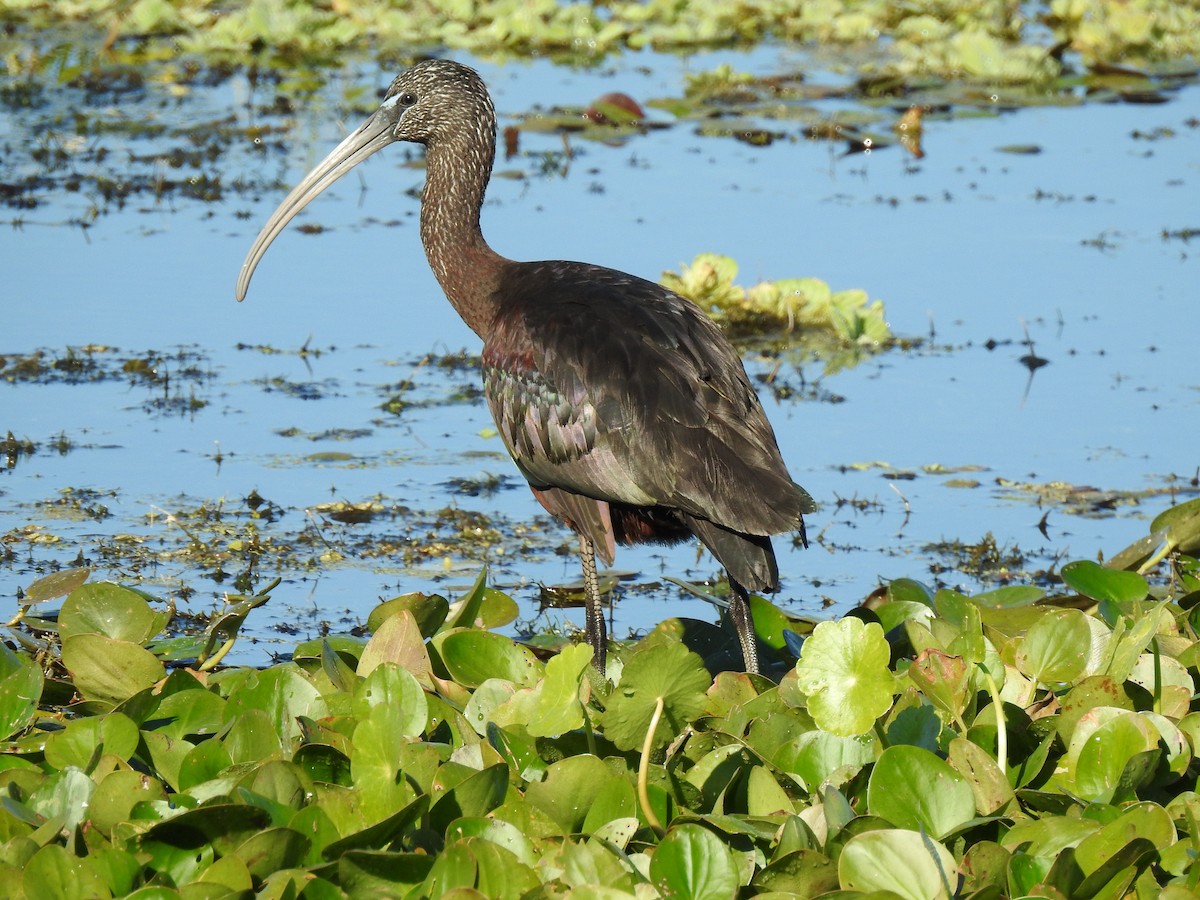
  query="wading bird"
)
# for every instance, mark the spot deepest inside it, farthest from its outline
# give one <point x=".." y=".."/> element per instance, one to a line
<point x="622" y="403"/>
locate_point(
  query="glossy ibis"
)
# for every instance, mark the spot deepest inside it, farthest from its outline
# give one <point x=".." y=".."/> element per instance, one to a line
<point x="622" y="404"/>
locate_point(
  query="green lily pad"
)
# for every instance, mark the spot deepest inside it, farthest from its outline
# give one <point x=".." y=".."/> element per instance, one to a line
<point x="668" y="671"/>
<point x="109" y="669"/>
<point x="380" y="833"/>
<point x="285" y="694"/>
<point x="272" y="849"/>
<point x="117" y="794"/>
<point x="909" y="591"/>
<point x="377" y="873"/>
<point x="800" y="873"/>
<point x="21" y="683"/>
<point x="570" y="787"/>
<point x="914" y="789"/>
<point x="474" y="796"/>
<point x="1182" y="526"/>
<point x="392" y="697"/>
<point x="501" y="833"/>
<point x="192" y="712"/>
<point x="399" y="640"/>
<point x="770" y="621"/>
<point x="615" y="802"/>
<point x="1012" y="596"/>
<point x="691" y="862"/>
<point x="54" y="585"/>
<point x="816" y="755"/>
<point x="472" y="657"/>
<point x="429" y="611"/>
<point x="109" y="609"/>
<point x="1102" y="583"/>
<point x="1104" y="743"/>
<point x="1056" y="647"/>
<point x="843" y="671"/>
<point x="557" y="708"/>
<point x="83" y="740"/>
<point x="906" y="863"/>
<point x="55" y="872"/>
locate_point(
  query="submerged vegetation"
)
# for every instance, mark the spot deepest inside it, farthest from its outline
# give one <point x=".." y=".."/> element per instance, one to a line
<point x="1012" y="743"/>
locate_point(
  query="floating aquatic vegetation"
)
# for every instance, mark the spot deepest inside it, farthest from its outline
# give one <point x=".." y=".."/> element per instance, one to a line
<point x="788" y="305"/>
<point x="935" y="745"/>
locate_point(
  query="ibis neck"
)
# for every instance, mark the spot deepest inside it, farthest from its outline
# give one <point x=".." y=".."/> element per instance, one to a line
<point x="465" y="266"/>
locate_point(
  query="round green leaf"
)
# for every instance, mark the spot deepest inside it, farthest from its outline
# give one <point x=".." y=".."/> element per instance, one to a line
<point x="907" y="863"/>
<point x="570" y="787"/>
<point x="272" y="850"/>
<point x="614" y="804"/>
<point x="769" y="621"/>
<point x="498" y="832"/>
<point x="692" y="863"/>
<point x="476" y="795"/>
<point x="375" y="768"/>
<point x="815" y="755"/>
<point x="397" y="640"/>
<point x="108" y="669"/>
<point x="84" y="740"/>
<point x="1010" y="596"/>
<point x="57" y="874"/>
<point x="1105" y="741"/>
<point x="64" y="795"/>
<point x="429" y="611"/>
<point x="285" y="694"/>
<point x="1182" y="524"/>
<point x="21" y="682"/>
<point x="1144" y="820"/>
<point x="222" y="826"/>
<point x="1056" y="647"/>
<point x="1102" y="583"/>
<point x="202" y="763"/>
<point x="116" y="796"/>
<point x="667" y="670"/>
<point x="56" y="584"/>
<point x="380" y="873"/>
<point x="393" y="692"/>
<point x="472" y="657"/>
<point x="119" y="612"/>
<point x="557" y="709"/>
<point x="499" y="872"/>
<point x="799" y="873"/>
<point x="908" y="590"/>
<point x="190" y="712"/>
<point x="843" y="670"/>
<point x="914" y="789"/>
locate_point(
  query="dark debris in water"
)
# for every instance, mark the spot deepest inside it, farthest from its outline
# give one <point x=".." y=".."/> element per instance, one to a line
<point x="174" y="382"/>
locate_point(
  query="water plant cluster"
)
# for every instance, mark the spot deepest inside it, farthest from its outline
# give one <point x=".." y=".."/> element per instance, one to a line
<point x="852" y="320"/>
<point x="1011" y="743"/>
<point x="993" y="40"/>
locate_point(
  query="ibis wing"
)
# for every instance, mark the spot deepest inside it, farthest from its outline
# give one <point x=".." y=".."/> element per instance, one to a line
<point x="618" y="389"/>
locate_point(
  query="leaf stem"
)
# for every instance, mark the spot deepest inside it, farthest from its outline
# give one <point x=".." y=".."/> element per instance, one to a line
<point x="644" y="769"/>
<point x="1001" y="724"/>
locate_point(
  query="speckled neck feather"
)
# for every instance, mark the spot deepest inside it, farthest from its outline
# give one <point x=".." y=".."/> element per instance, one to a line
<point x="459" y="157"/>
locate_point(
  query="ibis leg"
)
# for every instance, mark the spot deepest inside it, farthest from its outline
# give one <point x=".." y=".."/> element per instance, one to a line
<point x="594" y="629"/>
<point x="739" y="612"/>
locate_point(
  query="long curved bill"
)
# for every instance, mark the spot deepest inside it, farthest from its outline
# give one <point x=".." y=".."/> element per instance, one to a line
<point x="372" y="135"/>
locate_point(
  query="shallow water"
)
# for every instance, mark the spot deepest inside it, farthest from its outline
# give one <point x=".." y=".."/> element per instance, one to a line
<point x="973" y="242"/>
